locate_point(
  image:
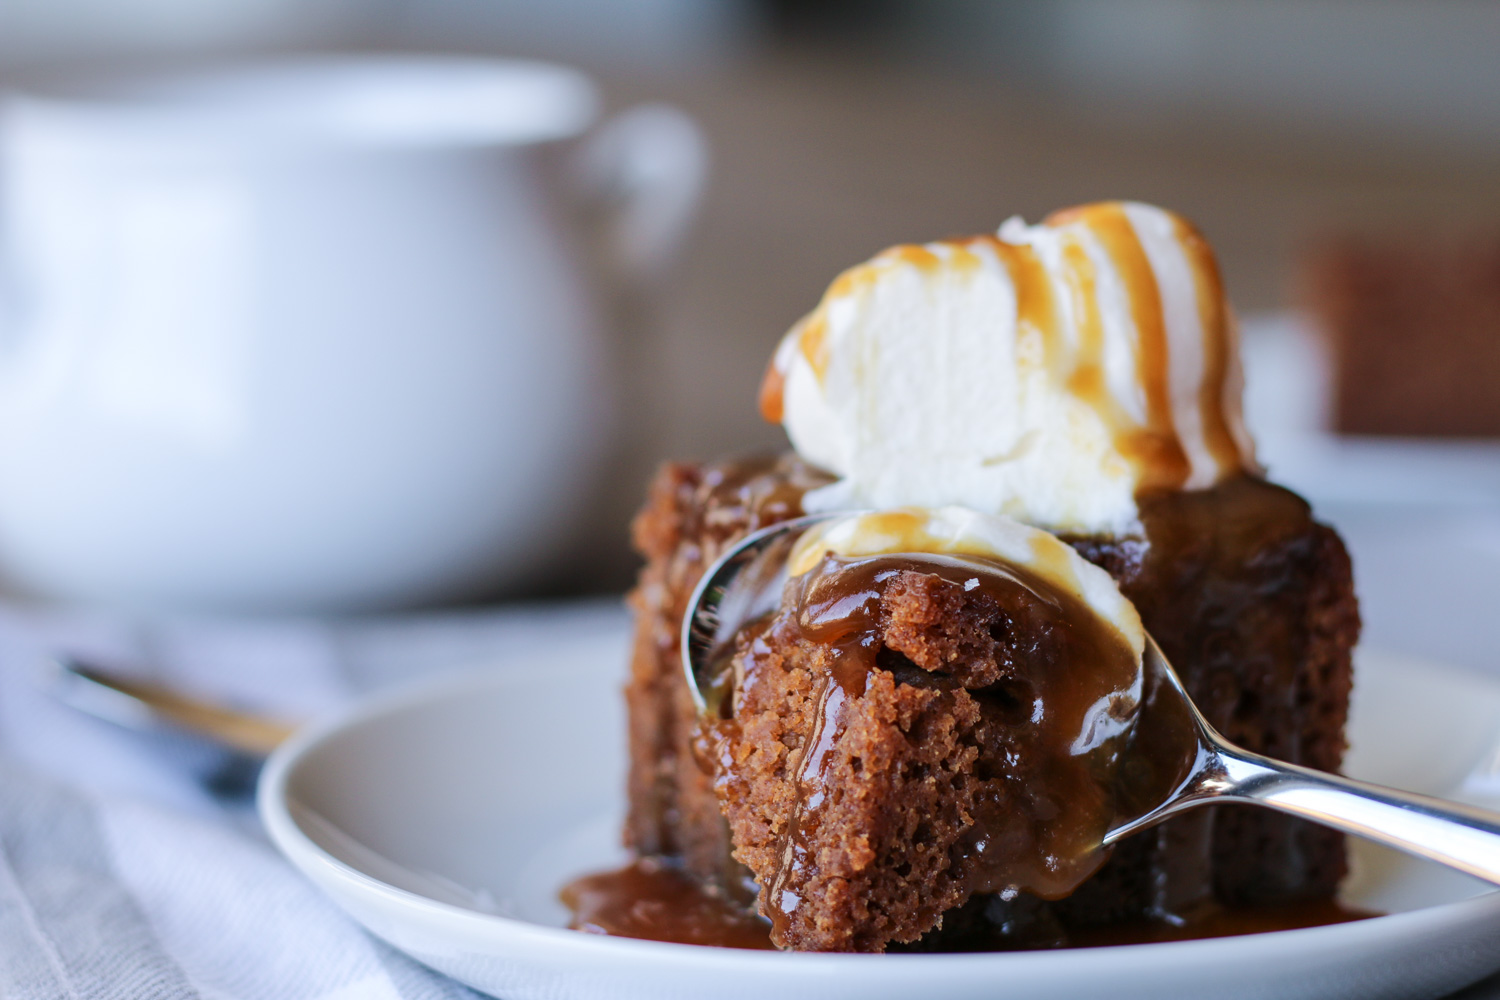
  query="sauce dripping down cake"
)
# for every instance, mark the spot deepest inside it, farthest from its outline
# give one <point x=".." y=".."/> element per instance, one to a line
<point x="1078" y="381"/>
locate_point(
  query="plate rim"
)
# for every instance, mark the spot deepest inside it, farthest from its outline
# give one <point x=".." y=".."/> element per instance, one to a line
<point x="298" y="847"/>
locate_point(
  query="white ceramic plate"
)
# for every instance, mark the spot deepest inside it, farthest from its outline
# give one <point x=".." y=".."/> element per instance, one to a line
<point x="444" y="819"/>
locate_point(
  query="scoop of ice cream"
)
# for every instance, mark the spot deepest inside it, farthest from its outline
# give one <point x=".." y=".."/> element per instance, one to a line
<point x="1051" y="373"/>
<point x="960" y="532"/>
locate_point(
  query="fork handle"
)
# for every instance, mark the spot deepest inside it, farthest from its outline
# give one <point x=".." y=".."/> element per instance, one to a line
<point x="1458" y="836"/>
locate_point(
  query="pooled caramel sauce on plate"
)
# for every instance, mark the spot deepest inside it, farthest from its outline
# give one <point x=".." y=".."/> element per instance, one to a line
<point x="654" y="902"/>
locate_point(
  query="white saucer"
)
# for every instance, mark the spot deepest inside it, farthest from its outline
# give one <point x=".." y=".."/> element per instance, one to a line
<point x="444" y="819"/>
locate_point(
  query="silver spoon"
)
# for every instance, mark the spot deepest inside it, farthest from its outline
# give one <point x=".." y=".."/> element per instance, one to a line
<point x="145" y="706"/>
<point x="222" y="747"/>
<point x="746" y="582"/>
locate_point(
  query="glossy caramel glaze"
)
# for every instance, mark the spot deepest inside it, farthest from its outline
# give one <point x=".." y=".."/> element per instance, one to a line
<point x="1047" y="691"/>
<point x="1042" y="688"/>
<point x="655" y="902"/>
<point x="651" y="900"/>
<point x="772" y="399"/>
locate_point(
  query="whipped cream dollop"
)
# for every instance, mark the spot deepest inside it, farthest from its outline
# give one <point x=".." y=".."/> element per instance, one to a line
<point x="1051" y="373"/>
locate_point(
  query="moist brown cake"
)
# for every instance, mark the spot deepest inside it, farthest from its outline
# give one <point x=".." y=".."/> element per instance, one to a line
<point x="1251" y="600"/>
<point x="1415" y="330"/>
<point x="694" y="512"/>
<point x="886" y="758"/>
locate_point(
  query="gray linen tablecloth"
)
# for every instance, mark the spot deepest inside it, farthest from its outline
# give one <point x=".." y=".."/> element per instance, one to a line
<point x="122" y="878"/>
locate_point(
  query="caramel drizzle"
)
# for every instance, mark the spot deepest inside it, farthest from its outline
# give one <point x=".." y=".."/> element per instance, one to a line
<point x="813" y="341"/>
<point x="1036" y="305"/>
<point x="810" y="781"/>
<point x="919" y="256"/>
<point x="773" y="394"/>
<point x="812" y="331"/>
<point x="1155" y="445"/>
<point x="1213" y="315"/>
<point x="1086" y="378"/>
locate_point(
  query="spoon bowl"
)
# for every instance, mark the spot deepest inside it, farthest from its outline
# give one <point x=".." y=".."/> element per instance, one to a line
<point x="742" y="585"/>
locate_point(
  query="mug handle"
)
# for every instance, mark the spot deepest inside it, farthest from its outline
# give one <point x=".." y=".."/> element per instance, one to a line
<point x="11" y="301"/>
<point x="642" y="175"/>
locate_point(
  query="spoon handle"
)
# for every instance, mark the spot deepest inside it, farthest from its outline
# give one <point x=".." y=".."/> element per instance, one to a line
<point x="742" y="584"/>
<point x="1459" y="836"/>
<point x="145" y="707"/>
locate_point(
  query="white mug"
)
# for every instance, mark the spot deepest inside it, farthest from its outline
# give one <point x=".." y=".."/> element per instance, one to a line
<point x="311" y="335"/>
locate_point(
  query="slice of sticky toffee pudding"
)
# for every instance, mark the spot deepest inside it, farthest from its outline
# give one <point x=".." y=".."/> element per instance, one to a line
<point x="1081" y="377"/>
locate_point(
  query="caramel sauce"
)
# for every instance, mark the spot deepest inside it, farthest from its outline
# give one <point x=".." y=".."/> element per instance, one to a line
<point x="1152" y="443"/>
<point x="1218" y="347"/>
<point x="651" y="901"/>
<point x="914" y="254"/>
<point x="1036" y="305"/>
<point x="813" y="342"/>
<point x="1162" y="460"/>
<point x="747" y="494"/>
<point x="962" y="257"/>
<point x="1063" y="707"/>
<point x="1086" y="378"/>
<point x="773" y="394"/>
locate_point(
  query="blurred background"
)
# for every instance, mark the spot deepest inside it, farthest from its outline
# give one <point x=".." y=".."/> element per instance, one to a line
<point x="1319" y="144"/>
<point x="337" y="349"/>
